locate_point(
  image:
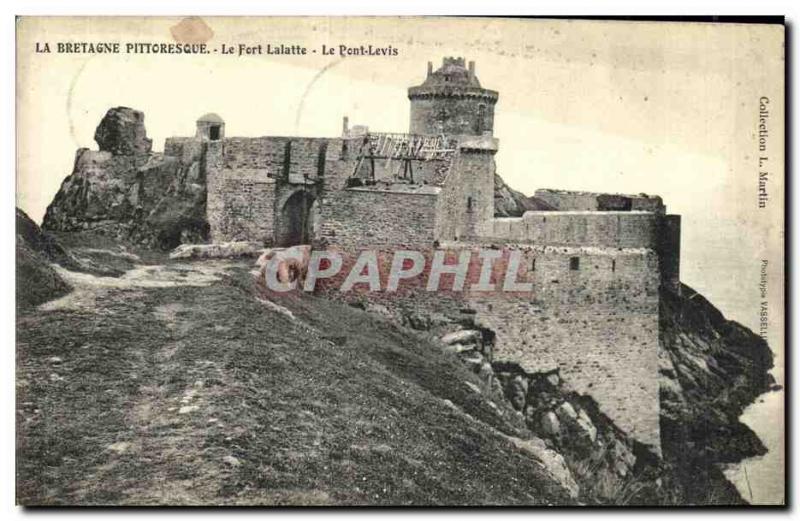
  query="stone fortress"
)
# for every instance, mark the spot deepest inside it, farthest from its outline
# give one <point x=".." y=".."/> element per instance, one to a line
<point x="597" y="261"/>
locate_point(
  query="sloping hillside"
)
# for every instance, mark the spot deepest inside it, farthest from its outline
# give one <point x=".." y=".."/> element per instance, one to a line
<point x="36" y="280"/>
<point x="173" y="384"/>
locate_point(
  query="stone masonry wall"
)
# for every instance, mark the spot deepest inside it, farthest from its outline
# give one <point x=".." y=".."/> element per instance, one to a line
<point x="360" y="218"/>
<point x="466" y="205"/>
<point x="451" y="115"/>
<point x="604" y="229"/>
<point x="566" y="200"/>
<point x="595" y="320"/>
<point x="244" y="176"/>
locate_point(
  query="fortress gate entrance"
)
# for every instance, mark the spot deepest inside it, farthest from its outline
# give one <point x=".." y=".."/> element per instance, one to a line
<point x="297" y="219"/>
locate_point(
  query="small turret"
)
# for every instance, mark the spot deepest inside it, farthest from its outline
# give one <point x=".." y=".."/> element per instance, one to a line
<point x="210" y="127"/>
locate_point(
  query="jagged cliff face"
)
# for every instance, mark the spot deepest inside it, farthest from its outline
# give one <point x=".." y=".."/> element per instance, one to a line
<point x="710" y="370"/>
<point x="128" y="192"/>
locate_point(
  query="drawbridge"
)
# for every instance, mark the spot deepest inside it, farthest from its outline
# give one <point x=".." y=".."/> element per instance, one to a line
<point x="393" y="157"/>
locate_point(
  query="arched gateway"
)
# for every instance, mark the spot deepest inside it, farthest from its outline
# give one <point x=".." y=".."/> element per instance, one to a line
<point x="297" y="219"/>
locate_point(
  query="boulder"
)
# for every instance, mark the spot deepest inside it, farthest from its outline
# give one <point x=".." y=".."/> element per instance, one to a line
<point x="566" y="413"/>
<point x="550" y="424"/>
<point x="292" y="264"/>
<point x="458" y="348"/>
<point x="577" y="421"/>
<point x="473" y="360"/>
<point x="466" y="336"/>
<point x="122" y="133"/>
<point x="486" y="374"/>
<point x="517" y="392"/>
<point x="586" y="427"/>
<point x="552" y="462"/>
<point x="300" y="251"/>
<point x="225" y="250"/>
<point x="418" y="321"/>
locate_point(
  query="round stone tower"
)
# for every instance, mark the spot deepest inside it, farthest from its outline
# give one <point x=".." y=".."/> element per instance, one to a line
<point x="451" y="101"/>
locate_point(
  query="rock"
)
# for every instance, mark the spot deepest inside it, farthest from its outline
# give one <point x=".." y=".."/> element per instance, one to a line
<point x="517" y="392"/>
<point x="586" y="426"/>
<point x="292" y="265"/>
<point x="552" y="462"/>
<point x="232" y="461"/>
<point x="119" y="447"/>
<point x="553" y="379"/>
<point x="466" y="336"/>
<point x="458" y="348"/>
<point x="127" y="192"/>
<point x="497" y="388"/>
<point x="550" y="424"/>
<point x="473" y="360"/>
<point x="186" y="409"/>
<point x="474" y="388"/>
<point x="379" y="309"/>
<point x="623" y="453"/>
<point x="486" y="373"/>
<point x="507" y="201"/>
<point x="577" y="422"/>
<point x="122" y="133"/>
<point x="566" y="412"/>
<point x="225" y="250"/>
<point x="280" y="309"/>
<point x="300" y="251"/>
<point x="418" y="321"/>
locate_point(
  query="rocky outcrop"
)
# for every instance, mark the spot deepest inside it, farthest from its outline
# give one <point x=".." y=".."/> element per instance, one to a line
<point x="37" y="281"/>
<point x="566" y="429"/>
<point x="122" y="133"/>
<point x="511" y="203"/>
<point x="130" y="193"/>
<point x="711" y="368"/>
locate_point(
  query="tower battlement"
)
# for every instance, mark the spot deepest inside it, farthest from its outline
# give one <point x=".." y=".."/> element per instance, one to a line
<point x="452" y="101"/>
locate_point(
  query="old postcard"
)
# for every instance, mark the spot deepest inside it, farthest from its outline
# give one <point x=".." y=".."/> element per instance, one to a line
<point x="399" y="261"/>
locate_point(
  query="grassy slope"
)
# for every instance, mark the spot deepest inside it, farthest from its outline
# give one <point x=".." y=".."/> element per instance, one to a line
<point x="283" y="414"/>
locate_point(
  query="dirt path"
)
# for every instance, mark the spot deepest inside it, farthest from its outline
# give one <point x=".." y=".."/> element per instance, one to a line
<point x="119" y="340"/>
